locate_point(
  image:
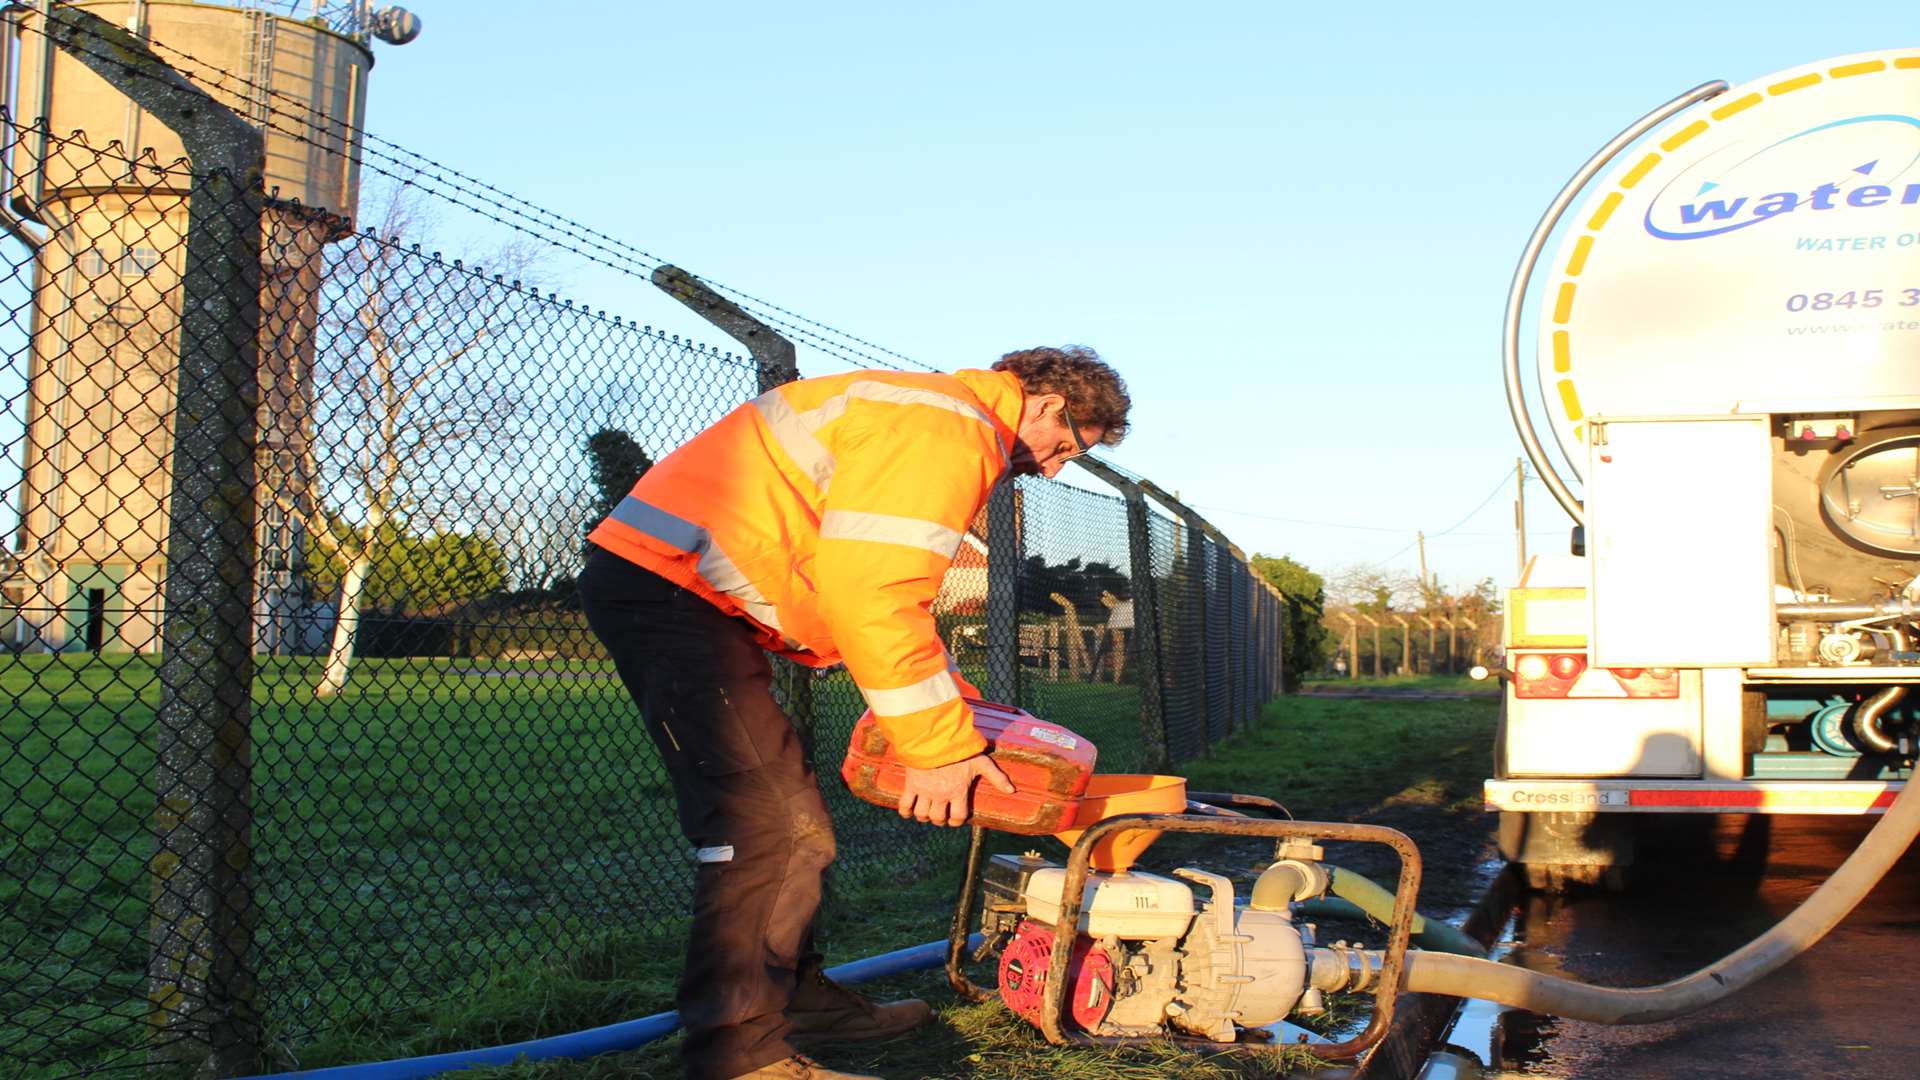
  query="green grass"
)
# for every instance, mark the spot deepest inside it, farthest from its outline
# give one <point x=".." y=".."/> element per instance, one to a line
<point x="1436" y="683"/>
<point x="481" y="836"/>
<point x="1327" y="759"/>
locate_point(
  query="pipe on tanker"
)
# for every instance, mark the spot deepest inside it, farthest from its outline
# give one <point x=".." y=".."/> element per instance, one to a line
<point x="1868" y="716"/>
<point x="1837" y="610"/>
<point x="1463" y="976"/>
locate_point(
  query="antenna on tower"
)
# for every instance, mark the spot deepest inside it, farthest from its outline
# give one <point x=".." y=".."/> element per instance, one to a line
<point x="395" y="25"/>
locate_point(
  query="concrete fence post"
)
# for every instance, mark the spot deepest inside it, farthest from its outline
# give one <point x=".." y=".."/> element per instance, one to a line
<point x="202" y="1007"/>
<point x="773" y="358"/>
<point x="1005" y="549"/>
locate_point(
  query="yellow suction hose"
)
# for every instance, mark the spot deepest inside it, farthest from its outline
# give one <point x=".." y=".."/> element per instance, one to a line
<point x="1465" y="976"/>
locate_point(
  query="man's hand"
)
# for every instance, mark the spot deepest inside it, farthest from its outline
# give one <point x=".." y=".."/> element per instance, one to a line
<point x="943" y="796"/>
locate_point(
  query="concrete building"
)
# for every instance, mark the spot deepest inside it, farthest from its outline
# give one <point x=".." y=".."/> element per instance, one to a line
<point x="89" y="559"/>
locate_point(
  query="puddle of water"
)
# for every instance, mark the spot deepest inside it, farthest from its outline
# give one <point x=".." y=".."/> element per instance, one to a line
<point x="1284" y="1033"/>
<point x="1476" y="1042"/>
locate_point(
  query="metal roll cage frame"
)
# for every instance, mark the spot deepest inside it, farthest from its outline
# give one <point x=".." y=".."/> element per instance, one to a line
<point x="1213" y="814"/>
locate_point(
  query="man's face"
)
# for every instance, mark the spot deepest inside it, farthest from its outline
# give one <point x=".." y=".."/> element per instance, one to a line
<point x="1044" y="444"/>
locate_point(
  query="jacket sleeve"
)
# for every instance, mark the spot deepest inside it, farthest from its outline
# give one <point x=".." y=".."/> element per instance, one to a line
<point x="904" y="489"/>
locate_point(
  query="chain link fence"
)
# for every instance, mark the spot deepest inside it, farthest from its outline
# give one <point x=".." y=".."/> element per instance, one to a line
<point x="302" y="722"/>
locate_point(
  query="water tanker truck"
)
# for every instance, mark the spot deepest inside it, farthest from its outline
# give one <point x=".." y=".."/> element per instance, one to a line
<point x="1730" y="363"/>
<point x="1728" y="355"/>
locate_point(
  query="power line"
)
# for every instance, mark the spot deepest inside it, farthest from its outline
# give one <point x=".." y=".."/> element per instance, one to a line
<point x="1504" y="478"/>
<point x="1297" y="521"/>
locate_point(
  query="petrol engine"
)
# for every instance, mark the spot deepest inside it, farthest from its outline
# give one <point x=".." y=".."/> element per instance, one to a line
<point x="1155" y="954"/>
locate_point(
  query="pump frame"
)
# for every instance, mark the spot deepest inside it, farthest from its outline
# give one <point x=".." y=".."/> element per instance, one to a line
<point x="1212" y="814"/>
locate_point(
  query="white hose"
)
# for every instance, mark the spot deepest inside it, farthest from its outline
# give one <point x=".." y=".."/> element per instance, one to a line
<point x="1464" y="976"/>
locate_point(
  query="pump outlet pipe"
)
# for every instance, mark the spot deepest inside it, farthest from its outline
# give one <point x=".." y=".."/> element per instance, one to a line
<point x="1465" y="976"/>
<point x="1377" y="902"/>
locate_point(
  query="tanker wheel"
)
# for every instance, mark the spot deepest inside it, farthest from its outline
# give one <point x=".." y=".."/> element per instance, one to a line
<point x="1562" y="852"/>
<point x="1560" y="878"/>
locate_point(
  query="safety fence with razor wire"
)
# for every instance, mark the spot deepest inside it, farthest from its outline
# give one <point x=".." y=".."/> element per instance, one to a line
<point x="302" y="723"/>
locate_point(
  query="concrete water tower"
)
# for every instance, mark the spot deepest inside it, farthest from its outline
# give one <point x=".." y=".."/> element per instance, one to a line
<point x="91" y="550"/>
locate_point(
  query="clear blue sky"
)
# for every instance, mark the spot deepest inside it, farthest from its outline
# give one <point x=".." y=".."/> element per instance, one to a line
<point x="1290" y="226"/>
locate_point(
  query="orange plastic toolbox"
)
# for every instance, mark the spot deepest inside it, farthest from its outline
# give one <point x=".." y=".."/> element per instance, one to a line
<point x="1048" y="765"/>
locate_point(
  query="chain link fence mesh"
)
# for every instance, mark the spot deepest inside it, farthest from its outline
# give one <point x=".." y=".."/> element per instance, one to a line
<point x="439" y="776"/>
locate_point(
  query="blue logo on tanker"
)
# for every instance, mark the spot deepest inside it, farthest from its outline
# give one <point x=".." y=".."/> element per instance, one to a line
<point x="1691" y="207"/>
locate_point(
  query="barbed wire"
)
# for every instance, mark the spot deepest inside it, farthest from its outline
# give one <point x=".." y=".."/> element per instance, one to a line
<point x="621" y="255"/>
<point x="579" y="239"/>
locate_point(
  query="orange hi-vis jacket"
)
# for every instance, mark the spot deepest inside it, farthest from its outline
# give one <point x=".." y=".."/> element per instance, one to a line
<point x="826" y="512"/>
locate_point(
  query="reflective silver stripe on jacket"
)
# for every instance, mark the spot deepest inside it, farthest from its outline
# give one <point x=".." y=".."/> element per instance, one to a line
<point x="795" y="436"/>
<point x="937" y="689"/>
<point x="713" y="566"/>
<point x="873" y="390"/>
<point x="890" y="529"/>
<point x="669" y="529"/>
<point x="796" y="431"/>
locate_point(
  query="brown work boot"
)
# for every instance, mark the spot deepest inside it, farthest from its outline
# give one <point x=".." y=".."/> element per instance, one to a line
<point x="800" y="1067"/>
<point x="824" y="1011"/>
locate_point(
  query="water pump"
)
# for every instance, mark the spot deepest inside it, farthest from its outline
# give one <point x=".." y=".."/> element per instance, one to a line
<point x="1151" y="954"/>
<point x="1095" y="951"/>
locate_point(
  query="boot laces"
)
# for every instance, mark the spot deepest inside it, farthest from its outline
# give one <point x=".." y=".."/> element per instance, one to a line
<point x="843" y="994"/>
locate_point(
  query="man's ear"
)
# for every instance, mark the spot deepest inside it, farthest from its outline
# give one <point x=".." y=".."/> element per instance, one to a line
<point x="1044" y="405"/>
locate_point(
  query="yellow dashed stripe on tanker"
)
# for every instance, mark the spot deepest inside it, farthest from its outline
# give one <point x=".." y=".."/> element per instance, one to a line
<point x="1570" y="399"/>
<point x="1637" y="173"/>
<point x="1737" y="105"/>
<point x="1791" y="85"/>
<point x="1846" y="71"/>
<point x="1684" y="136"/>
<point x="1579" y="260"/>
<point x="1583" y="246"/>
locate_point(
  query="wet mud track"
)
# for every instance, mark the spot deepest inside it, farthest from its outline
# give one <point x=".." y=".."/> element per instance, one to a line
<point x="1704" y="887"/>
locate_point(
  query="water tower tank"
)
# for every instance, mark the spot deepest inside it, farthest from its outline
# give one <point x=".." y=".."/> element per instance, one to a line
<point x="106" y="316"/>
<point x="301" y="83"/>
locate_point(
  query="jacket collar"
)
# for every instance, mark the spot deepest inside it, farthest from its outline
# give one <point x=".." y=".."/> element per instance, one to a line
<point x="1002" y="394"/>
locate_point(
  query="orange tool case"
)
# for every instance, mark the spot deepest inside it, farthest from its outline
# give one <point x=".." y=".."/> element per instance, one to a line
<point x="1048" y="765"/>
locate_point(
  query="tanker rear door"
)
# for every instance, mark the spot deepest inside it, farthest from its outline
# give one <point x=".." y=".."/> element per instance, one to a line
<point x="1679" y="539"/>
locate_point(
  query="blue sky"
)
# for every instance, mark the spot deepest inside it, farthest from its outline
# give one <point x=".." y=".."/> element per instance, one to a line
<point x="1290" y="226"/>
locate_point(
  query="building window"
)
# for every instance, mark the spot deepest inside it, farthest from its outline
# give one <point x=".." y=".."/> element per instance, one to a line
<point x="92" y="262"/>
<point x="139" y="262"/>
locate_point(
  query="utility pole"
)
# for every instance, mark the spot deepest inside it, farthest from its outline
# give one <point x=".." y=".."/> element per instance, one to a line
<point x="1425" y="585"/>
<point x="1520" y="513"/>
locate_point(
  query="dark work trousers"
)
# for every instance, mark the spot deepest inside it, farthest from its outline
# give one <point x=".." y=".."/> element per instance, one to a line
<point x="748" y="803"/>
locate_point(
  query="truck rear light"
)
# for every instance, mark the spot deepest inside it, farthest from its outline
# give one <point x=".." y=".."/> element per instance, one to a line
<point x="1566" y="675"/>
<point x="1650" y="683"/>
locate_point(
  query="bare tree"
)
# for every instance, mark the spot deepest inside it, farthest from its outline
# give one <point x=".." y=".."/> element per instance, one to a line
<point x="407" y="384"/>
<point x="1371" y="589"/>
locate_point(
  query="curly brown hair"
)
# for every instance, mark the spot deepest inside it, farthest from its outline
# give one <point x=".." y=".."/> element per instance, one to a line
<point x="1095" y="393"/>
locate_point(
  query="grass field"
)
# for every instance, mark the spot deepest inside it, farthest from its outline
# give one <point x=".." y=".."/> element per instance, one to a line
<point x="1421" y="683"/>
<point x="1326" y="758"/>
<point x="441" y="829"/>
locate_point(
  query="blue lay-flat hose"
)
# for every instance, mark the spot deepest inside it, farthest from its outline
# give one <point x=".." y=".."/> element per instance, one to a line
<point x="609" y="1039"/>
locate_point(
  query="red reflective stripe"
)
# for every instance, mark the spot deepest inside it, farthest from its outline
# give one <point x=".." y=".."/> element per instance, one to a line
<point x="1694" y="798"/>
<point x="1682" y="797"/>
